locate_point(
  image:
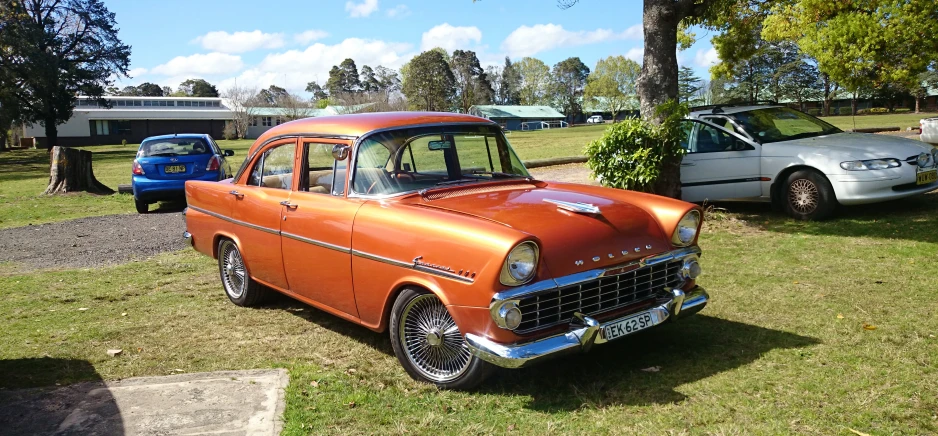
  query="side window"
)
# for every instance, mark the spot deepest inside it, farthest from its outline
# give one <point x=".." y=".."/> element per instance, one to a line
<point x="274" y="169"/>
<point x="321" y="178"/>
<point x="371" y="175"/>
<point x="710" y="139"/>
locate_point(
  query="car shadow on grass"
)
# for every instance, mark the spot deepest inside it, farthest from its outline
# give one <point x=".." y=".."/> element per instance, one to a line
<point x="911" y="218"/>
<point x="53" y="409"/>
<point x="646" y="368"/>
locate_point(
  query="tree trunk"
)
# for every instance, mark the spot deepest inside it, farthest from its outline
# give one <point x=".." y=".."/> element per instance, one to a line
<point x="71" y="172"/>
<point x="658" y="82"/>
<point x="917" y="106"/>
<point x="853" y="104"/>
<point x="827" y="95"/>
<point x="52" y="134"/>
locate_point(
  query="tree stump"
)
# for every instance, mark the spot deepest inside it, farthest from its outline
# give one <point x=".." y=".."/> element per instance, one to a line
<point x="71" y="172"/>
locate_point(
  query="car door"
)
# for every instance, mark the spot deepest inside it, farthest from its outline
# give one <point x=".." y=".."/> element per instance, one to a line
<point x="719" y="164"/>
<point x="317" y="229"/>
<point x="258" y="207"/>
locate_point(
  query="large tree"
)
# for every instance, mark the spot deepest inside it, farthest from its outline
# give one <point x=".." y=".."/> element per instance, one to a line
<point x="270" y="96"/>
<point x="568" y="81"/>
<point x="241" y="101"/>
<point x="535" y="81"/>
<point x="389" y="82"/>
<point x="344" y="78"/>
<point x="510" y="83"/>
<point x="197" y="88"/>
<point x="612" y="85"/>
<point x="688" y="84"/>
<point x="53" y="50"/>
<point x="317" y="91"/>
<point x="428" y="82"/>
<point x="472" y="84"/>
<point x="147" y="89"/>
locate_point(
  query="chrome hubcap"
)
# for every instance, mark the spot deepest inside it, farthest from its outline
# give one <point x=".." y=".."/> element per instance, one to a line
<point x="432" y="341"/>
<point x="233" y="275"/>
<point x="803" y="196"/>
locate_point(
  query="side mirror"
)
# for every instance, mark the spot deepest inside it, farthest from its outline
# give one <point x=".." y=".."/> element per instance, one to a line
<point x="340" y="151"/>
<point x="229" y="152"/>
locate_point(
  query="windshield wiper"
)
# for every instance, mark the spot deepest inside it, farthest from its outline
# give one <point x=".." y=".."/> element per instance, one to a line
<point x="457" y="181"/>
<point x="496" y="174"/>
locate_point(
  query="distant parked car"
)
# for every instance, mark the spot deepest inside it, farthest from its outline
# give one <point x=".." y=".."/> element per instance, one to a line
<point x="164" y="163"/>
<point x="929" y="130"/>
<point x="595" y="119"/>
<point x="800" y="163"/>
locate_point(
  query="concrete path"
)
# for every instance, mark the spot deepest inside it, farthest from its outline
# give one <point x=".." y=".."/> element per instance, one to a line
<point x="219" y="403"/>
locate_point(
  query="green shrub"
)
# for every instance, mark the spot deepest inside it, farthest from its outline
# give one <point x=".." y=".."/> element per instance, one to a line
<point x="632" y="152"/>
<point x="902" y="110"/>
<point x="844" y="111"/>
<point x="814" y="111"/>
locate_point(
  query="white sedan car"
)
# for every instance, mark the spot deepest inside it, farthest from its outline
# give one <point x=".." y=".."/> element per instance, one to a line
<point x="801" y="164"/>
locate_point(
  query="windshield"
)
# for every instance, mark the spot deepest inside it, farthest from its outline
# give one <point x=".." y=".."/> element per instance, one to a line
<point x="782" y="124"/>
<point x="410" y="159"/>
<point x="173" y="147"/>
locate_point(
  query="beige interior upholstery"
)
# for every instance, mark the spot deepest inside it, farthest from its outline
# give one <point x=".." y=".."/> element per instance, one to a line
<point x="279" y="181"/>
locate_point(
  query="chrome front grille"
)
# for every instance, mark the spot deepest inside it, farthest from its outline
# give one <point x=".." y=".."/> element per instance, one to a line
<point x="557" y="306"/>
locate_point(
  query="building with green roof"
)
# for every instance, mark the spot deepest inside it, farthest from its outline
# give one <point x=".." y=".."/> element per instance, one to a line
<point x="513" y="117"/>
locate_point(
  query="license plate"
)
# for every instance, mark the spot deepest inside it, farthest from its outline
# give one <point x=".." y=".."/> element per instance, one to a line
<point x="627" y="326"/>
<point x="174" y="169"/>
<point x="926" y="177"/>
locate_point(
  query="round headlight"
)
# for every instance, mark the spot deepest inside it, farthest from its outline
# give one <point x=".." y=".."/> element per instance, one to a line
<point x="520" y="264"/>
<point x="691" y="268"/>
<point x="922" y="160"/>
<point x="507" y="315"/>
<point x="686" y="229"/>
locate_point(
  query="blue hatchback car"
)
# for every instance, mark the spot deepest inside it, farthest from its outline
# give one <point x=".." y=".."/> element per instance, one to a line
<point x="164" y="163"/>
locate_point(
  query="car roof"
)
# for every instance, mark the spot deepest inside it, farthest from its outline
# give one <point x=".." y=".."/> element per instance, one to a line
<point x="179" y="135"/>
<point x="355" y="125"/>
<point x="729" y="109"/>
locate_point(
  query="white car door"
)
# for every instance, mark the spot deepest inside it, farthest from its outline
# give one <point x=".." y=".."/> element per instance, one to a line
<point x="719" y="164"/>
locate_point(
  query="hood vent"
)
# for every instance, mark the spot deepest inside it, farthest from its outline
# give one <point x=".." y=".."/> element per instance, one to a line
<point x="439" y="195"/>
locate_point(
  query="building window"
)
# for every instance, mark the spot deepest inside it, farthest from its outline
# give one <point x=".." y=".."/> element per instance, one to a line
<point x="147" y="103"/>
<point x="279" y="121"/>
<point x="267" y="121"/>
<point x="102" y="128"/>
<point x="121" y="127"/>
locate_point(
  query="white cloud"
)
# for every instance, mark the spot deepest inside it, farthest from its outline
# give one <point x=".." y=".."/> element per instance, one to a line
<point x="292" y="69"/>
<point x="399" y="11"/>
<point x="309" y="36"/>
<point x="530" y="40"/>
<point x="706" y="58"/>
<point x="200" y="65"/>
<point x="134" y="72"/>
<point x="450" y="37"/>
<point x="239" y="42"/>
<point x="636" y="54"/>
<point x="363" y="9"/>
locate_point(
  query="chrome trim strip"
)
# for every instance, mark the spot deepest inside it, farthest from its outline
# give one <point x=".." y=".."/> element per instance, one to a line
<point x="316" y="243"/>
<point x="290" y="136"/>
<point x="586" y="276"/>
<point x="590" y="209"/>
<point x="583" y="334"/>
<point x="412" y="265"/>
<point x="234" y="221"/>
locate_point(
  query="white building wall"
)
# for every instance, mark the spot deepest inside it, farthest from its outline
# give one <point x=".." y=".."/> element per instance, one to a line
<point x="77" y="125"/>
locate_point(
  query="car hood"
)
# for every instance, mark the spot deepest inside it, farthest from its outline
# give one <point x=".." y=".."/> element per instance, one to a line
<point x="565" y="238"/>
<point x="856" y="145"/>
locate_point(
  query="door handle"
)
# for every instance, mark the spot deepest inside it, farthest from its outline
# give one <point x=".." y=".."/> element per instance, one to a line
<point x="288" y="204"/>
<point x="237" y="194"/>
<point x="687" y="164"/>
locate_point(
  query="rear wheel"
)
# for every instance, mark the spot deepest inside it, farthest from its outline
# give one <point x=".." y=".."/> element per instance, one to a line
<point x="240" y="288"/>
<point x="430" y="346"/>
<point x="142" y="206"/>
<point x="808" y="195"/>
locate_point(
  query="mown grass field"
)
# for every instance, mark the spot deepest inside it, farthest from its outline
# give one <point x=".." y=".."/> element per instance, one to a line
<point x="814" y="328"/>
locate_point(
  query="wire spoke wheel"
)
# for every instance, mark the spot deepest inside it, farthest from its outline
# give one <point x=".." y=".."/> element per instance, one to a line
<point x="803" y="196"/>
<point x="233" y="272"/>
<point x="431" y="340"/>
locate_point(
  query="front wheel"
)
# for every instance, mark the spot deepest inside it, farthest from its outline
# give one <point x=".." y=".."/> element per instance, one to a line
<point x="430" y="346"/>
<point x="807" y="195"/>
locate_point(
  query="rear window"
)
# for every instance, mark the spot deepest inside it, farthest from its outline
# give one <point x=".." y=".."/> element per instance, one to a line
<point x="174" y="147"/>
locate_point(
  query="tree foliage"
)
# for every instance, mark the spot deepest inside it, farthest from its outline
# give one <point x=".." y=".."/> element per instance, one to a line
<point x="509" y="84"/>
<point x="568" y="81"/>
<point x="472" y="84"/>
<point x="535" y="81"/>
<point x="197" y="88"/>
<point x="428" y="82"/>
<point x="270" y="96"/>
<point x="343" y="78"/>
<point x="53" y="50"/>
<point x="612" y="85"/>
<point x="147" y="89"/>
<point x="688" y="85"/>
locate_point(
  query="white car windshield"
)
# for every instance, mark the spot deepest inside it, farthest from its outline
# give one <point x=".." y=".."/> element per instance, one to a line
<point x="410" y="159"/>
<point x="782" y="124"/>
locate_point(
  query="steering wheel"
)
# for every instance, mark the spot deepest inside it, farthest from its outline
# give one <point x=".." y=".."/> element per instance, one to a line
<point x="372" y="187"/>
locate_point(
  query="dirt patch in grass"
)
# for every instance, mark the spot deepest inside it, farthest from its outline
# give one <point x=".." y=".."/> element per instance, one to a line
<point x="90" y="242"/>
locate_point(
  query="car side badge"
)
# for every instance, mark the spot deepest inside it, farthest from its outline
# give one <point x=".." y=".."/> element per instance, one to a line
<point x="577" y="207"/>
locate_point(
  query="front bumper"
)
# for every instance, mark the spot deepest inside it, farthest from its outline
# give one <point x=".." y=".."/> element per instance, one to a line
<point x="588" y="332"/>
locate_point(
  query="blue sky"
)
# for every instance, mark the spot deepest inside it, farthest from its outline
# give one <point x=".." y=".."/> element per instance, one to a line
<point x="291" y="42"/>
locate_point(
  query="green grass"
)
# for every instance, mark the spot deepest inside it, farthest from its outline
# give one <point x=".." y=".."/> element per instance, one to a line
<point x="782" y="348"/>
<point x="902" y="121"/>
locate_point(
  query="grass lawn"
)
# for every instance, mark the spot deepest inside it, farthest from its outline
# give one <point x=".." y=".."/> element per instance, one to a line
<point x="814" y="328"/>
<point x="901" y="121"/>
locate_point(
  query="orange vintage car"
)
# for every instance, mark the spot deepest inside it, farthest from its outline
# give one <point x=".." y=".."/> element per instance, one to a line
<point x="427" y="225"/>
